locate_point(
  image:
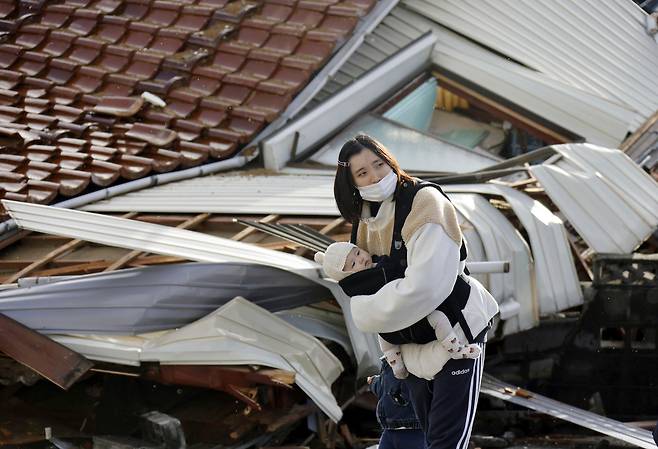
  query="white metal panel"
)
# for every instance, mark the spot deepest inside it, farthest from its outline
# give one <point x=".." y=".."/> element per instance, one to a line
<point x="149" y="237"/>
<point x="637" y="187"/>
<point x="233" y="193"/>
<point x="600" y="215"/>
<point x="610" y="201"/>
<point x="602" y="50"/>
<point x="238" y="333"/>
<point x="557" y="282"/>
<point x="587" y="114"/>
<point x="319" y="323"/>
<point x="333" y="114"/>
<point x="502" y="242"/>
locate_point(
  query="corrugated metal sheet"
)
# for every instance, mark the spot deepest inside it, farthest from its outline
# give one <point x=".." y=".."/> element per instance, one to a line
<point x="601" y="50"/>
<point x="597" y="119"/>
<point x="502" y="242"/>
<point x="132" y="234"/>
<point x="602" y="218"/>
<point x="557" y="282"/>
<point x="609" y="200"/>
<point x="232" y="193"/>
<point x="238" y="333"/>
<point x="638" y="188"/>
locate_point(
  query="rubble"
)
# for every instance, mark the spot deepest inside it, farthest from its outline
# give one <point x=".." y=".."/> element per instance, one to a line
<point x="126" y="115"/>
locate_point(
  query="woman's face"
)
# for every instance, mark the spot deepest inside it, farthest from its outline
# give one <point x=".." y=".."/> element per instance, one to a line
<point x="367" y="168"/>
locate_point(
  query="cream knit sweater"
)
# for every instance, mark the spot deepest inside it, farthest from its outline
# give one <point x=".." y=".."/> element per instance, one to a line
<point x="429" y="206"/>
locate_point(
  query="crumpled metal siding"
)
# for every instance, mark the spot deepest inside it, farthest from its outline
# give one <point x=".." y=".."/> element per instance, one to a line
<point x="602" y="50"/>
<point x="238" y="333"/>
<point x="189" y="244"/>
<point x="153" y="298"/>
<point x="607" y="198"/>
<point x="587" y="114"/>
<point x="502" y="242"/>
<point x="558" y="287"/>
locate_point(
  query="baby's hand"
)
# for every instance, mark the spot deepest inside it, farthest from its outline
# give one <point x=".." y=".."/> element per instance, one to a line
<point x="458" y="350"/>
<point x="394" y="360"/>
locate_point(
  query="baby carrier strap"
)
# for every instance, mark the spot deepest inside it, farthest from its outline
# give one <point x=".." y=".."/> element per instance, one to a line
<point x="403" y="202"/>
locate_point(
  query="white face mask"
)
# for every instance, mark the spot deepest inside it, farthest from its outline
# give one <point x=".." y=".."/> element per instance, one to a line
<point x="381" y="190"/>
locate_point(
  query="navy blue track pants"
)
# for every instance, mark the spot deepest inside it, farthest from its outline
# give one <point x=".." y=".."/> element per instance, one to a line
<point x="445" y="405"/>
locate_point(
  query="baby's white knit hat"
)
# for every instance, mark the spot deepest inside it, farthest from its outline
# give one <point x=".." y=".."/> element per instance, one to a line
<point x="333" y="259"/>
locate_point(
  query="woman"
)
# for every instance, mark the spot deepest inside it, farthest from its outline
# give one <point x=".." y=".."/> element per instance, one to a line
<point x="428" y="241"/>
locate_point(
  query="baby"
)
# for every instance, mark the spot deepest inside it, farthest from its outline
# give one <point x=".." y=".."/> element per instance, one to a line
<point x="343" y="260"/>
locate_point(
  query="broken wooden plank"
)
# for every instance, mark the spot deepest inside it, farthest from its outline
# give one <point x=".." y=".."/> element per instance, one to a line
<point x="54" y="361"/>
<point x="14" y="238"/>
<point x="349" y="439"/>
<point x="236" y="381"/>
<point x="98" y="265"/>
<point x="296" y="413"/>
<point x="70" y="246"/>
<point x="20" y="264"/>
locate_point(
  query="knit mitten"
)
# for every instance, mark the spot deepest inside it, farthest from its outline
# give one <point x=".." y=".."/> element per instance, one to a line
<point x="394" y="359"/>
<point x="458" y="350"/>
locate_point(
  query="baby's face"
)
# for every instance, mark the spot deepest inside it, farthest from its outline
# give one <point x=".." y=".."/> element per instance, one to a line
<point x="357" y="260"/>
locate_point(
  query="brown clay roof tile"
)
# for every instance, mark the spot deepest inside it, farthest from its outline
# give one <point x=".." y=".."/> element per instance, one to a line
<point x="72" y="75"/>
<point x="9" y="53"/>
<point x="84" y="21"/>
<point x="112" y="28"/>
<point x="194" y="18"/>
<point x="107" y="6"/>
<point x="119" y="106"/>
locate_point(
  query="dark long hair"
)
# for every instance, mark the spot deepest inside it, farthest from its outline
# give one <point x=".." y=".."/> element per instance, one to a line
<point x="348" y="198"/>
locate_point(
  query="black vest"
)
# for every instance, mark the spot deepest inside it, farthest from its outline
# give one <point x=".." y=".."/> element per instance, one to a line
<point x="370" y="281"/>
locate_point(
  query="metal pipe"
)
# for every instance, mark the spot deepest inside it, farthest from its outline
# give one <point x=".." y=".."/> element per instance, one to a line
<point x="488" y="267"/>
<point x="521" y="159"/>
<point x="481" y="176"/>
